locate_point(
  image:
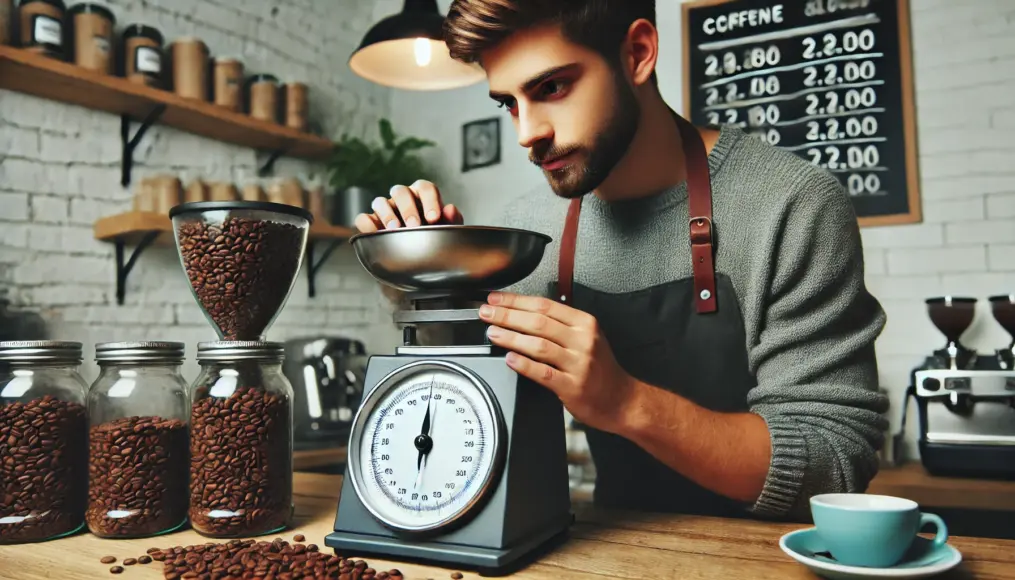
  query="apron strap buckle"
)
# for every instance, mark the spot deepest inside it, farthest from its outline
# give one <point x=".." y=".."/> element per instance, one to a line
<point x="703" y="263"/>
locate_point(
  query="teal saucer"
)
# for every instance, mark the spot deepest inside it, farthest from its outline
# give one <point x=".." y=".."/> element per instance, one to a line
<point x="921" y="561"/>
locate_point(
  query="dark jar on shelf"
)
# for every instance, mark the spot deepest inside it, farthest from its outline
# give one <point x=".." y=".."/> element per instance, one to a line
<point x="241" y="441"/>
<point x="43" y="441"/>
<point x="138" y="441"/>
<point x="142" y="55"/>
<point x="41" y="27"/>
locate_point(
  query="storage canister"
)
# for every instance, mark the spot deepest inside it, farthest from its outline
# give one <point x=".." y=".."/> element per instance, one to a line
<point x="43" y="441"/>
<point x="296" y="106"/>
<point x="241" y="441"/>
<point x="190" y="68"/>
<point x="41" y="24"/>
<point x="229" y="83"/>
<point x="138" y="411"/>
<point x="263" y="97"/>
<point x="142" y="55"/>
<point x="91" y="28"/>
<point x="6" y="22"/>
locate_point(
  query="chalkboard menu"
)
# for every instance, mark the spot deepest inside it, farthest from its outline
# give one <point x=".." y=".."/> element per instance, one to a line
<point x="829" y="80"/>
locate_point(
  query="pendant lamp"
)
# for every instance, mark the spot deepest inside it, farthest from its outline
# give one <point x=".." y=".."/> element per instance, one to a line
<point x="407" y="51"/>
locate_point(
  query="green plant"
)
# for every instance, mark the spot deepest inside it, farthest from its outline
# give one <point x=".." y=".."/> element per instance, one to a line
<point x="377" y="168"/>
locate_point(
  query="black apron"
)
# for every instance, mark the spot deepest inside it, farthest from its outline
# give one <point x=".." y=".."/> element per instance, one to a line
<point x="685" y="336"/>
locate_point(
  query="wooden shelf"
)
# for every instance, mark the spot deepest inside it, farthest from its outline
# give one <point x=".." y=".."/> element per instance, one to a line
<point x="142" y="229"/>
<point x="45" y="77"/>
<point x="132" y="227"/>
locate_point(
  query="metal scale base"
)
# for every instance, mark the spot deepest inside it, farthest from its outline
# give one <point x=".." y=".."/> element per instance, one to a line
<point x="529" y="510"/>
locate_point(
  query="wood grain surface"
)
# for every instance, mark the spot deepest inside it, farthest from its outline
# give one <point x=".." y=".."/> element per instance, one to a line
<point x="602" y="545"/>
<point x="912" y="481"/>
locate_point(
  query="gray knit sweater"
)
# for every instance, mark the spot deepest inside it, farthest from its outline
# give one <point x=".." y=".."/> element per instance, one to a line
<point x="791" y="245"/>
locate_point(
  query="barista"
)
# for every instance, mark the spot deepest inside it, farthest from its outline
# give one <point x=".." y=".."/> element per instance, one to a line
<point x="702" y="308"/>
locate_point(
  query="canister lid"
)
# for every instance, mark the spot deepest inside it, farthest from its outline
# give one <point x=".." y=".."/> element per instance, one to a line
<point x="90" y="8"/>
<point x="139" y="352"/>
<point x="240" y="350"/>
<point x="55" y="3"/>
<point x="40" y="351"/>
<point x="142" y="31"/>
<point x="263" y="78"/>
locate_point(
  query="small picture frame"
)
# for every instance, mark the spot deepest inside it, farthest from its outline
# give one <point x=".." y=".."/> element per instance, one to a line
<point x="480" y="144"/>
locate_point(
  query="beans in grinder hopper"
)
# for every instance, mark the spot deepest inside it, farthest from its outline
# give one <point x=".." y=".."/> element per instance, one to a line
<point x="241" y="461"/>
<point x="137" y="476"/>
<point x="42" y="469"/>
<point x="241" y="270"/>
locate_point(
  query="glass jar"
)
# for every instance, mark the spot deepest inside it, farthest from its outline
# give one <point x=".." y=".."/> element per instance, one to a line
<point x="137" y="440"/>
<point x="241" y="441"/>
<point x="43" y="441"/>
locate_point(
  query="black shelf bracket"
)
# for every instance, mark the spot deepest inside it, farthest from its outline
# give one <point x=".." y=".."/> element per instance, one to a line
<point x="123" y="269"/>
<point x="268" y="166"/>
<point x="313" y="267"/>
<point x="130" y="142"/>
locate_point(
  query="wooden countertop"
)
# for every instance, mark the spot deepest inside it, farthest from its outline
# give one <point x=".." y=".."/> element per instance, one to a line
<point x="602" y="545"/>
<point x="912" y="481"/>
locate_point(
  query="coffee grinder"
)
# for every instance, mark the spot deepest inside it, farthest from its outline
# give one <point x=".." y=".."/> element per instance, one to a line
<point x="453" y="457"/>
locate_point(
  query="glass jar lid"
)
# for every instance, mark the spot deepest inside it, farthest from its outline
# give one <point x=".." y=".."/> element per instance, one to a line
<point x="224" y="351"/>
<point x="27" y="351"/>
<point x="139" y="352"/>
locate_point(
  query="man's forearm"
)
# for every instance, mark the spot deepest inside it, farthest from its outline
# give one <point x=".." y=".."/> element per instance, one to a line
<point x="728" y="453"/>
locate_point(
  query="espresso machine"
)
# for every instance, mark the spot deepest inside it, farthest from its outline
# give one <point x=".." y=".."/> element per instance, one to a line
<point x="327" y="374"/>
<point x="965" y="399"/>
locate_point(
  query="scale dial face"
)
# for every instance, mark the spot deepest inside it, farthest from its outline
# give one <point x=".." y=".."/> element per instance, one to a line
<point x="425" y="446"/>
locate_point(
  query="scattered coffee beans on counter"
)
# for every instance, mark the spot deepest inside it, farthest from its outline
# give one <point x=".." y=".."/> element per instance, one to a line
<point x="240" y="270"/>
<point x="130" y="561"/>
<point x="299" y="538"/>
<point x="116" y="570"/>
<point x="241" y="463"/>
<point x="107" y="559"/>
<point x="138" y="469"/>
<point x="43" y="469"/>
<point x="457" y="576"/>
<point x="144" y="560"/>
<point x="247" y="559"/>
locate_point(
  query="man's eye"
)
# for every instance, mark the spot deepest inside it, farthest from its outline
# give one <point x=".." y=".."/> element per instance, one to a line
<point x="552" y="88"/>
<point x="506" y="104"/>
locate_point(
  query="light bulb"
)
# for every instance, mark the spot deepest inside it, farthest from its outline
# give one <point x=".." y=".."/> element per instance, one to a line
<point x="422" y="50"/>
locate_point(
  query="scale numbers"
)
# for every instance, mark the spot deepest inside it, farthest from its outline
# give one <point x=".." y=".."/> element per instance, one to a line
<point x="427" y="446"/>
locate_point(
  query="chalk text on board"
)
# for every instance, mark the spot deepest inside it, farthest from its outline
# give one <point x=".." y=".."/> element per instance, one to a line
<point x="743" y="19"/>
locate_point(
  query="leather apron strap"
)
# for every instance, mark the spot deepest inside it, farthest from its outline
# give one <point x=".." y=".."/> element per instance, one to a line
<point x="699" y="205"/>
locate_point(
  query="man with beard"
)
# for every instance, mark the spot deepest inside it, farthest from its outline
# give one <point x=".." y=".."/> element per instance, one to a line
<point x="702" y="308"/>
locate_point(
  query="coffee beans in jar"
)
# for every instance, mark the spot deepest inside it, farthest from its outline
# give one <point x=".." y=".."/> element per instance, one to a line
<point x="138" y="463"/>
<point x="241" y="259"/>
<point x="241" y="441"/>
<point x="43" y="435"/>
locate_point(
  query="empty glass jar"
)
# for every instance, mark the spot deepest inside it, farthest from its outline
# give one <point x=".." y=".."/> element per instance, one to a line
<point x="241" y="441"/>
<point x="138" y="411"/>
<point x="43" y="435"/>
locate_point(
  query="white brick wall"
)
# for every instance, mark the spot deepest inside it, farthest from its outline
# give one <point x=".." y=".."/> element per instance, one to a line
<point x="60" y="172"/>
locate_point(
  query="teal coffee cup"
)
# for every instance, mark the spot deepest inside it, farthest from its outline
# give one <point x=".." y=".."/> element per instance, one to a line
<point x="870" y="530"/>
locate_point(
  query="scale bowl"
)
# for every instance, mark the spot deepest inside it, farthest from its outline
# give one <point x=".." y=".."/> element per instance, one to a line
<point x="450" y="259"/>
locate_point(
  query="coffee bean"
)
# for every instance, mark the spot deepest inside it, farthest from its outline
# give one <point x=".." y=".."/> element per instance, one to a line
<point x="241" y="270"/>
<point x="107" y="559"/>
<point x="144" y="560"/>
<point x="130" y="561"/>
<point x="137" y="477"/>
<point x="457" y="575"/>
<point x="299" y="538"/>
<point x="241" y="463"/>
<point x="116" y="570"/>
<point x="43" y="469"/>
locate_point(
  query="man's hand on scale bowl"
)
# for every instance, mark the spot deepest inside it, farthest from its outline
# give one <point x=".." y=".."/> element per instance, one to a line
<point x="562" y="349"/>
<point x="412" y="206"/>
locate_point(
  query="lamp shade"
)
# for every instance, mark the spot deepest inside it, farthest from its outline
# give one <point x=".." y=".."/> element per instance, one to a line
<point x="407" y="51"/>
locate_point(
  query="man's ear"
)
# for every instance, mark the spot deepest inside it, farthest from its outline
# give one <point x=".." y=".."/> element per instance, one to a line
<point x="641" y="50"/>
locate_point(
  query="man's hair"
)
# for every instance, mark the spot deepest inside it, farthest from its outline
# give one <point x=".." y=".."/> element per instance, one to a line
<point x="473" y="26"/>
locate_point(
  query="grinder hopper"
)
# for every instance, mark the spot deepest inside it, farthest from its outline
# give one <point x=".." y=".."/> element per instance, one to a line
<point x="241" y="259"/>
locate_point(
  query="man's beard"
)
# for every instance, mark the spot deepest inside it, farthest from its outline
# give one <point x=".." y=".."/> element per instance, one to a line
<point x="594" y="164"/>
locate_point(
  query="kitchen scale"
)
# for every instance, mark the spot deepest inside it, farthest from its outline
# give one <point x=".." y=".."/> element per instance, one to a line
<point x="453" y="457"/>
